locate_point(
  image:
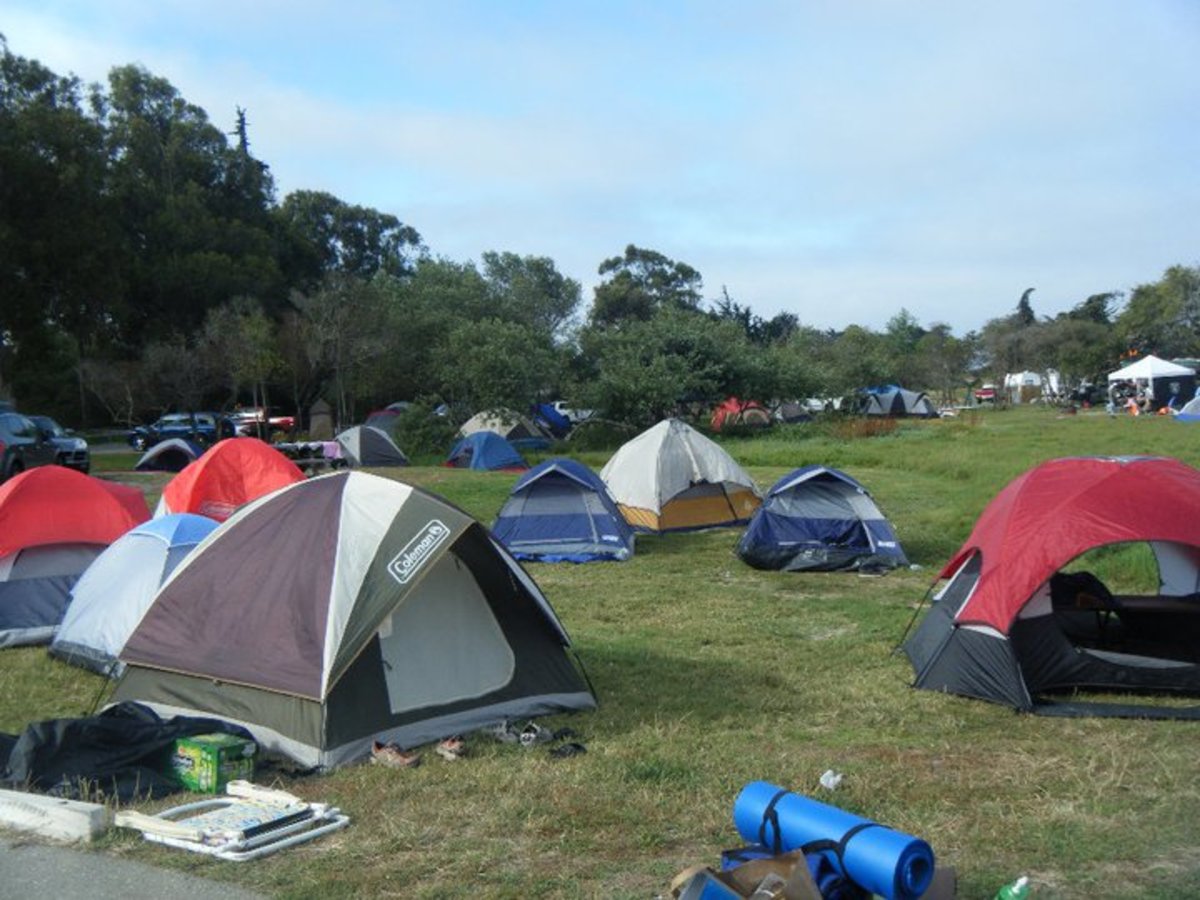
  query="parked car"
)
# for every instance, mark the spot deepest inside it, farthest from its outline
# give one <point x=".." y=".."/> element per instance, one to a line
<point x="71" y="450"/>
<point x="199" y="427"/>
<point x="22" y="446"/>
<point x="247" y="421"/>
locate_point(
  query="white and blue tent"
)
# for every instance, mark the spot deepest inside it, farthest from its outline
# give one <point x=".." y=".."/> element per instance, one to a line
<point x="115" y="591"/>
<point x="819" y="519"/>
<point x="560" y="511"/>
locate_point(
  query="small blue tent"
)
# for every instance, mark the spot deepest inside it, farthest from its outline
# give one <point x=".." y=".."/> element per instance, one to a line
<point x="819" y="519"/>
<point x="115" y="591"/>
<point x="560" y="511"/>
<point x="485" y="450"/>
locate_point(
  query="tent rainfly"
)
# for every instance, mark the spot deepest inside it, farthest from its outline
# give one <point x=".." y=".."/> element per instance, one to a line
<point x="672" y="478"/>
<point x="347" y="609"/>
<point x="53" y="523"/>
<point x="1009" y="626"/>
<point x="232" y="472"/>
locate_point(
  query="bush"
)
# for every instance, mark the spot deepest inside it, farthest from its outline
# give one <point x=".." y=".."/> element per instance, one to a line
<point x="420" y="432"/>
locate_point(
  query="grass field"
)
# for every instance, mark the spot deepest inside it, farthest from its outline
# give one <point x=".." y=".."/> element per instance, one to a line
<point x="711" y="674"/>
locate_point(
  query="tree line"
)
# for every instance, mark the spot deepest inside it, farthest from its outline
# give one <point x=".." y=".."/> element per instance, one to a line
<point x="146" y="264"/>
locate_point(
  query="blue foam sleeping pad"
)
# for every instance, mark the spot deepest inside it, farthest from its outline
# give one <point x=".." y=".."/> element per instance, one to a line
<point x="889" y="863"/>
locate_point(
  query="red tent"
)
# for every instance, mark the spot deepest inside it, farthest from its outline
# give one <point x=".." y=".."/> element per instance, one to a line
<point x="732" y="411"/>
<point x="234" y="471"/>
<point x="55" y="505"/>
<point x="1008" y="625"/>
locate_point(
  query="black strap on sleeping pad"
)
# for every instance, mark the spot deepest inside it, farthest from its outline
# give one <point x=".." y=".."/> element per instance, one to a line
<point x="771" y="817"/>
<point x="838" y="847"/>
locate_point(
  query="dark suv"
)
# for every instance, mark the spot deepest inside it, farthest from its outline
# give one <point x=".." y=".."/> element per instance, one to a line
<point x="22" y="446"/>
<point x="202" y="428"/>
<point x="71" y="450"/>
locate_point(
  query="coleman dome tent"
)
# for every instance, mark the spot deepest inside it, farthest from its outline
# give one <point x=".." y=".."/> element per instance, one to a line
<point x="819" y="519"/>
<point x="514" y="428"/>
<point x="671" y="477"/>
<point x="233" y="471"/>
<point x="109" y="599"/>
<point x="347" y="609"/>
<point x="1008" y="626"/>
<point x="485" y="450"/>
<point x="560" y="511"/>
<point x="53" y="523"/>
<point x="366" y="445"/>
<point x="171" y="455"/>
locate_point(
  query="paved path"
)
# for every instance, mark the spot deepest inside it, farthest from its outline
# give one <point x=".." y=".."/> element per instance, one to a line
<point x="30" y="869"/>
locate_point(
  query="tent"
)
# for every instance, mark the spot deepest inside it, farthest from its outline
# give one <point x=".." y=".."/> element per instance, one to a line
<point x="171" y="455"/>
<point x="670" y="478"/>
<point x="819" y="519"/>
<point x="550" y="420"/>
<point x="366" y="445"/>
<point x="485" y="450"/>
<point x="1190" y="411"/>
<point x="116" y="590"/>
<point x="54" y="522"/>
<point x="232" y="472"/>
<point x="1009" y="626"/>
<point x="346" y="609"/>
<point x="514" y="428"/>
<point x="1160" y="379"/>
<point x="746" y="413"/>
<point x="560" y="511"/>
<point x="897" y="402"/>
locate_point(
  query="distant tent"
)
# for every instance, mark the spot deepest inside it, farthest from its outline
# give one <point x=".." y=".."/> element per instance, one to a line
<point x="366" y="445"/>
<point x="793" y="412"/>
<point x="560" y="511"/>
<point x="385" y="418"/>
<point x="116" y="590"/>
<point x="54" y="522"/>
<point x="514" y="428"/>
<point x="550" y="420"/>
<point x="1160" y="378"/>
<point x="390" y="615"/>
<point x="819" y="519"/>
<point x="171" y="455"/>
<point x="670" y="478"/>
<point x="1190" y="411"/>
<point x="746" y="413"/>
<point x="233" y="471"/>
<point x="1009" y="626"/>
<point x="896" y="402"/>
<point x="485" y="450"/>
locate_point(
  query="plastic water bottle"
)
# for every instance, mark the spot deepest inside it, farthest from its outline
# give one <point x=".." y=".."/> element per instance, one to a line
<point x="1018" y="890"/>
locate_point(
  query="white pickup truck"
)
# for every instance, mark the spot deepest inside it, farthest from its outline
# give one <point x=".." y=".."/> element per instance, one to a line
<point x="574" y="416"/>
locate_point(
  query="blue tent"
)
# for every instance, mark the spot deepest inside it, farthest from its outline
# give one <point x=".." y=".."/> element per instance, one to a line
<point x="819" y="519"/>
<point x="560" y="511"/>
<point x="485" y="450"/>
<point x="548" y="418"/>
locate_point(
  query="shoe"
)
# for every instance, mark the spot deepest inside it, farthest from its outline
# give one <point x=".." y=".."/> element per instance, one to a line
<point x="503" y="731"/>
<point x="393" y="757"/>
<point x="451" y="749"/>
<point x="566" y="750"/>
<point x="533" y="734"/>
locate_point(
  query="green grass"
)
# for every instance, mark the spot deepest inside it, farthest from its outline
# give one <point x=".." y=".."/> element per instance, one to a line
<point x="711" y="674"/>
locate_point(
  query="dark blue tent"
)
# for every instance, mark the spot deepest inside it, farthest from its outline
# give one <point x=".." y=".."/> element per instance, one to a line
<point x="819" y="519"/>
<point x="548" y="418"/>
<point x="485" y="450"/>
<point x="560" y="511"/>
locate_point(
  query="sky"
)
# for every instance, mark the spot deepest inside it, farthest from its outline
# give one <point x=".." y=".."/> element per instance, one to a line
<point x="838" y="160"/>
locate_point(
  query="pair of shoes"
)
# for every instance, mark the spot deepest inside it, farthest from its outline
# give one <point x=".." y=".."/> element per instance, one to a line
<point x="393" y="757"/>
<point x="451" y="749"/>
<point x="533" y="734"/>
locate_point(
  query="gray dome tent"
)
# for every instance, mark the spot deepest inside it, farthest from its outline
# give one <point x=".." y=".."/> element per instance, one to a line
<point x="367" y="445"/>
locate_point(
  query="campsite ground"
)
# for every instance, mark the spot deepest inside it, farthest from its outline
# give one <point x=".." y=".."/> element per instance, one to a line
<point x="711" y="674"/>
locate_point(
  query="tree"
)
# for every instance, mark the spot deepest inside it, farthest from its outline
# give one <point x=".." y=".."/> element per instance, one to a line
<point x="339" y="237"/>
<point x="1163" y="317"/>
<point x="1024" y="314"/>
<point x="641" y="283"/>
<point x="239" y="341"/>
<point x="531" y="291"/>
<point x="495" y="365"/>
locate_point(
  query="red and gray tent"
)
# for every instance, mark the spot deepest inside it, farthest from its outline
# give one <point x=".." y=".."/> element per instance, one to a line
<point x="1010" y="626"/>
<point x="346" y="609"/>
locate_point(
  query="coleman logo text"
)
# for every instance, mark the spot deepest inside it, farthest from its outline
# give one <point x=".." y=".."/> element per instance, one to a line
<point x="417" y="551"/>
